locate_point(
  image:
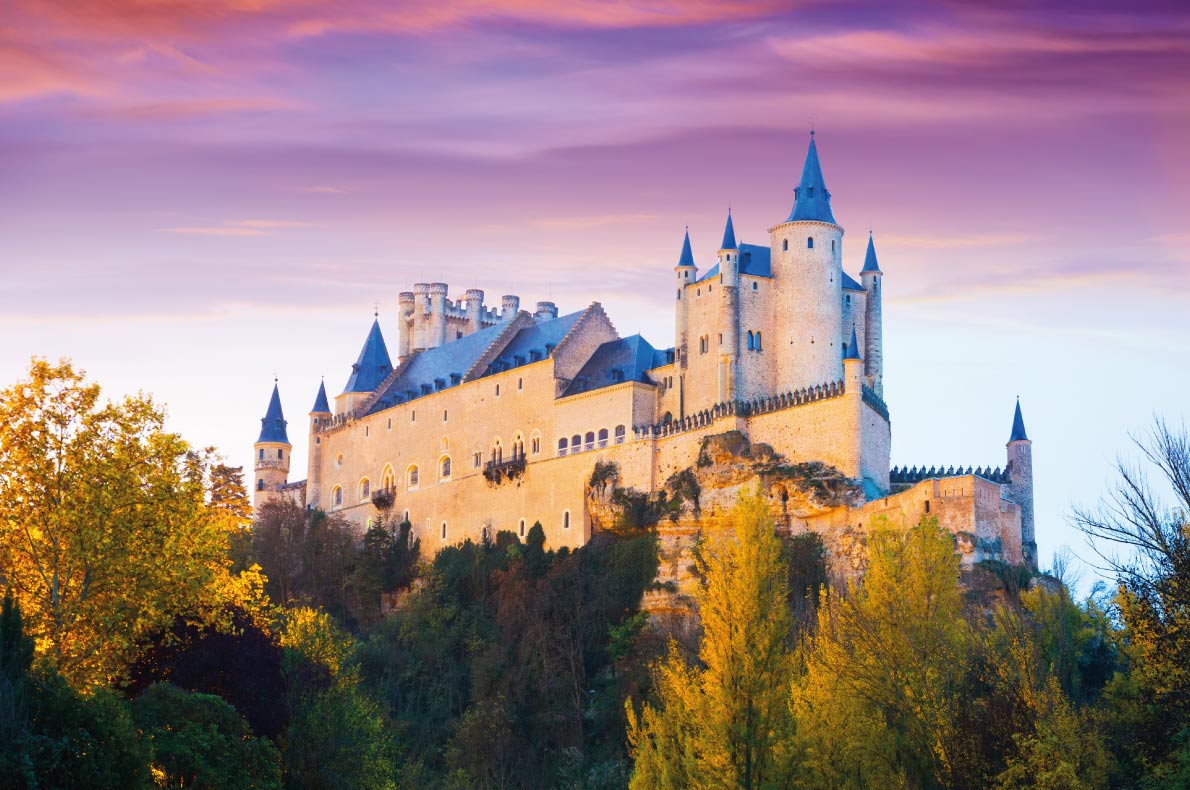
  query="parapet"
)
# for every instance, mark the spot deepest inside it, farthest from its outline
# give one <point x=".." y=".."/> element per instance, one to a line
<point x="545" y="311"/>
<point x="509" y="305"/>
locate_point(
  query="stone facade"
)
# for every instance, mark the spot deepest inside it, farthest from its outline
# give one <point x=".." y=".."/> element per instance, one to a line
<point x="493" y="420"/>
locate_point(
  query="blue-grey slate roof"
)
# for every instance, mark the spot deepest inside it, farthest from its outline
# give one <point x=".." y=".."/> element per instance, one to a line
<point x="687" y="256"/>
<point x="728" y="235"/>
<point x="321" y="404"/>
<point x="616" y="361"/>
<point x="870" y="264"/>
<point x="853" y="347"/>
<point x="755" y="260"/>
<point x="812" y="201"/>
<point x="272" y="425"/>
<point x="529" y="344"/>
<point x="849" y="283"/>
<point x="373" y="364"/>
<point x="1018" y="425"/>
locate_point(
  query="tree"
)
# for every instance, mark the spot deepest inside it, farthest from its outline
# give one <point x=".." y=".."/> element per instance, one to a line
<point x="726" y="722"/>
<point x="106" y="531"/>
<point x="199" y="741"/>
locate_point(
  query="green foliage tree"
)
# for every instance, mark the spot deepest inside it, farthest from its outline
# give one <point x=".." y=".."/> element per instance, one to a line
<point x="727" y="722"/>
<point x="199" y="741"/>
<point x="106" y="531"/>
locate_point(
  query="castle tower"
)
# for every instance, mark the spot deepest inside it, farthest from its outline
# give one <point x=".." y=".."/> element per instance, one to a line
<point x="474" y="310"/>
<point x="871" y="278"/>
<point x="320" y="416"/>
<point x="272" y="451"/>
<point x="406" y="303"/>
<point x="687" y="273"/>
<point x="421" y="324"/>
<point x="1020" y="483"/>
<point x="807" y="251"/>
<point x="850" y="434"/>
<point x="509" y="305"/>
<point x="436" y="334"/>
<point x="372" y="366"/>
<point x="729" y="313"/>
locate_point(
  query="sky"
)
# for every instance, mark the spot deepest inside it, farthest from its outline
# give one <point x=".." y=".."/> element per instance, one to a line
<point x="199" y="195"/>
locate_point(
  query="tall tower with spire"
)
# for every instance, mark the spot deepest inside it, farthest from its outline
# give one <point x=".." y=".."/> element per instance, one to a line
<point x="728" y="339"/>
<point x="271" y="462"/>
<point x="371" y="368"/>
<point x="320" y="416"/>
<point x="687" y="273"/>
<point x="871" y="278"/>
<point x="1020" y="483"/>
<point x="807" y="254"/>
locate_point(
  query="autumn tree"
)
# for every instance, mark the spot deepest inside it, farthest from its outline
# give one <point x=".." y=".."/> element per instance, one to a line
<point x="726" y="721"/>
<point x="107" y="531"/>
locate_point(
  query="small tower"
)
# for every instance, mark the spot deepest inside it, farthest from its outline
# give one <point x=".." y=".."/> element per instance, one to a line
<point x="687" y="273"/>
<point x="871" y="278"/>
<point x="474" y="298"/>
<point x="368" y="371"/>
<point x="1020" y="483"/>
<point x="729" y="313"/>
<point x="272" y="453"/>
<point x="406" y="303"/>
<point x="850" y="434"/>
<point x="320" y="417"/>
<point x="808" y="284"/>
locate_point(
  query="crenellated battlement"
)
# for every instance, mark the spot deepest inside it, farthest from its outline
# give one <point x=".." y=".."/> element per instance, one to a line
<point x="427" y="318"/>
<point x="905" y="476"/>
<point x="742" y="408"/>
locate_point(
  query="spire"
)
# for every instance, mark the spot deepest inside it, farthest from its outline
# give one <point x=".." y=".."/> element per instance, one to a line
<point x="853" y="347"/>
<point x="811" y="199"/>
<point x="870" y="264"/>
<point x="373" y="363"/>
<point x="728" y="235"/>
<point x="1018" y="425"/>
<point x="687" y="258"/>
<point x="272" y="426"/>
<point x="321" y="404"/>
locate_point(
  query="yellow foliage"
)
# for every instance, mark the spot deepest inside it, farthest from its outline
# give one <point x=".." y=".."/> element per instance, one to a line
<point x="314" y="634"/>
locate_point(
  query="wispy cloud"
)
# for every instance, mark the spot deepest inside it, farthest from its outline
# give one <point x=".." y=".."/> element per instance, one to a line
<point x="243" y="227"/>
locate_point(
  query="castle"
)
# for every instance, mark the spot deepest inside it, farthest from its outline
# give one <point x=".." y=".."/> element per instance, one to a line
<point x="494" y="419"/>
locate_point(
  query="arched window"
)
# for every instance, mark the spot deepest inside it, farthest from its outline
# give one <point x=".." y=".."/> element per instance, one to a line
<point x="280" y="454"/>
<point x="785" y="245"/>
<point x="590" y="443"/>
<point x="750" y="340"/>
<point x="619" y="434"/>
<point x="365" y="488"/>
<point x="832" y="246"/>
<point x="444" y="468"/>
<point x="518" y="446"/>
<point x="259" y="485"/>
<point x="759" y="345"/>
<point x="565" y="519"/>
<point x="562" y="446"/>
<point x="535" y="443"/>
<point x="576" y="444"/>
<point x="497" y="452"/>
<point x="809" y="242"/>
<point x="521" y="528"/>
<point x="337" y="497"/>
<point x="261" y="453"/>
<point x="388" y="478"/>
<point x="602" y="438"/>
<point x="411" y="477"/>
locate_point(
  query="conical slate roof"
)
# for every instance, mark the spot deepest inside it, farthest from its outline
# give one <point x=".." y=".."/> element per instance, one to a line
<point x="321" y="404"/>
<point x="853" y="347"/>
<point x="687" y="257"/>
<point x="870" y="264"/>
<point x="728" y="235"/>
<point x="272" y="425"/>
<point x="373" y="363"/>
<point x="1018" y="425"/>
<point x="811" y="199"/>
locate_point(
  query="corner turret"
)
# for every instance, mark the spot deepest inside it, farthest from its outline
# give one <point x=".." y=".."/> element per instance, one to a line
<point x="872" y="278"/>
<point x="272" y="452"/>
<point x="729" y="314"/>
<point x="1020" y="483"/>
<point x="368" y="371"/>
<point x="320" y="417"/>
<point x="687" y="273"/>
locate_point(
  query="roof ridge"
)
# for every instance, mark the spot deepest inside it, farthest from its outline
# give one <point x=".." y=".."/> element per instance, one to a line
<point x="595" y="308"/>
<point x="522" y="320"/>
<point x="385" y="383"/>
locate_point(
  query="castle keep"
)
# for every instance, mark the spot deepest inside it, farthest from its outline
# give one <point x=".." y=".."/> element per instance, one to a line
<point x="493" y="419"/>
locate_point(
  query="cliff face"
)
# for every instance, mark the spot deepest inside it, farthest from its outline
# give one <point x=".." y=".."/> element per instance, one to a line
<point x="695" y="499"/>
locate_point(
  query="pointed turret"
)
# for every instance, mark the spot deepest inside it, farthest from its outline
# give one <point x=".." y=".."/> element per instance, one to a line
<point x="853" y="347"/>
<point x="1018" y="425"/>
<point x="373" y="363"/>
<point x="687" y="256"/>
<point x="272" y="425"/>
<point x="812" y="201"/>
<point x="728" y="235"/>
<point x="321" y="404"/>
<point x="870" y="264"/>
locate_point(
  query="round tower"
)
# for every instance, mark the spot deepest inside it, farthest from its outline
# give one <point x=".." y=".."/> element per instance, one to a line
<point x="1020" y="483"/>
<point x="320" y="417"/>
<point x="729" y="314"/>
<point x="871" y="278"/>
<point x="509" y="305"/>
<point x="807" y="250"/>
<point x="546" y="311"/>
<point x="272" y="452"/>
<point x="421" y="300"/>
<point x="474" y="298"/>
<point x="405" y="305"/>
<point x="437" y="329"/>
<point x="687" y="273"/>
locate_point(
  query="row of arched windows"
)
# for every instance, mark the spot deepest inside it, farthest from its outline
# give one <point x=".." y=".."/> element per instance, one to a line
<point x="591" y="441"/>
